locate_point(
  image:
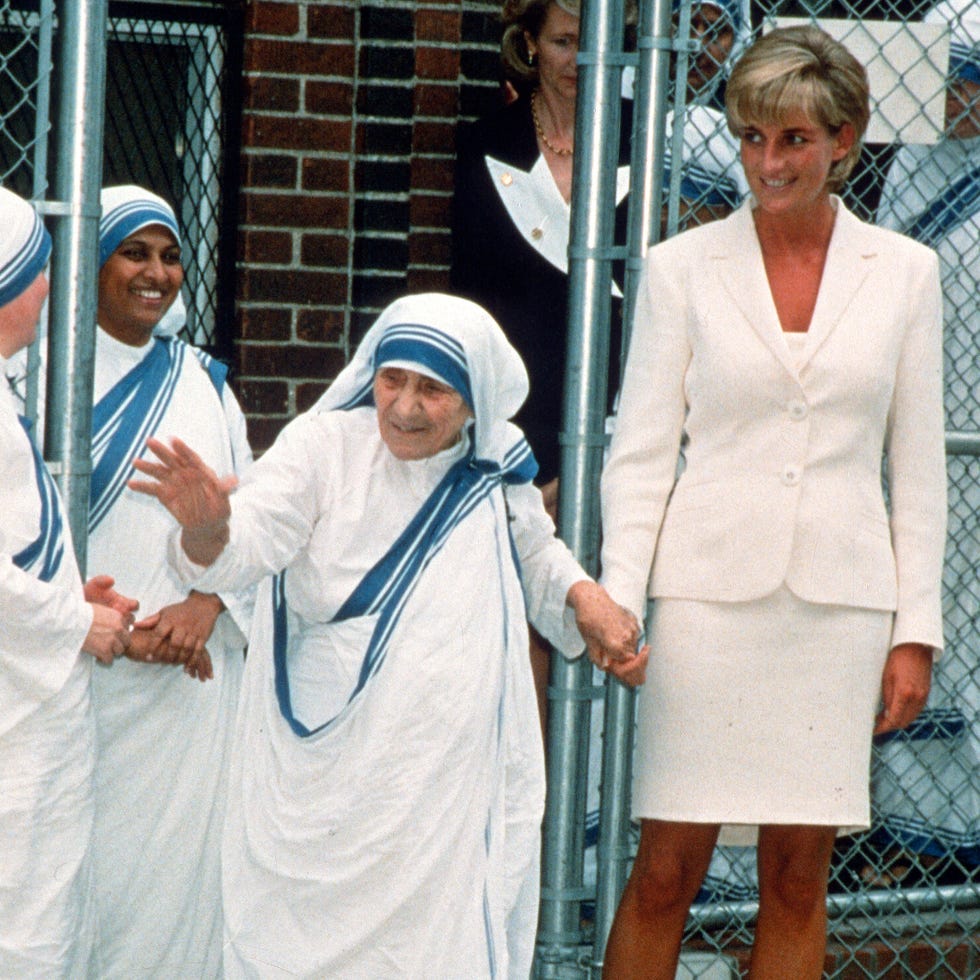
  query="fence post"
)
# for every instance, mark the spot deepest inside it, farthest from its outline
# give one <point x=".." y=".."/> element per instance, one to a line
<point x="74" y="268"/>
<point x="600" y="63"/>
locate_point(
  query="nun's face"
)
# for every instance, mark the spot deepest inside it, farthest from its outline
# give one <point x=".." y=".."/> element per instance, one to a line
<point x="138" y="284"/>
<point x="714" y="35"/>
<point x="417" y="415"/>
<point x="962" y="109"/>
<point x="18" y="319"/>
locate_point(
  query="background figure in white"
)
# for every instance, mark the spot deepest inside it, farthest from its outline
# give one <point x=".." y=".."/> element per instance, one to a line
<point x="163" y="734"/>
<point x="47" y="746"/>
<point x="925" y="787"/>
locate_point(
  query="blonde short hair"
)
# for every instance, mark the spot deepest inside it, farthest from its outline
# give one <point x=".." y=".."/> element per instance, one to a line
<point x="801" y="68"/>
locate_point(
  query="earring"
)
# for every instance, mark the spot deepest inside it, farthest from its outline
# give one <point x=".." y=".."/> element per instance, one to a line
<point x="530" y="59"/>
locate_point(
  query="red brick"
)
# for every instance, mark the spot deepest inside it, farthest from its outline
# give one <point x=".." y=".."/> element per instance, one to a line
<point x="264" y="397"/>
<point x="308" y="394"/>
<point x="293" y="286"/>
<point x="432" y="173"/>
<point x="270" y="170"/>
<point x="266" y="247"/>
<point x="320" y="326"/>
<point x="430" y="210"/>
<point x="262" y="432"/>
<point x="297" y="132"/>
<point x="961" y="961"/>
<point x="428" y="280"/>
<point x="433" y="137"/>
<point x="328" y="98"/>
<point x="437" y="100"/>
<point x="437" y="25"/>
<point x="437" y="62"/>
<point x="260" y="323"/>
<point x="325" y="174"/>
<point x="429" y="249"/>
<point x="271" y="93"/>
<point x="280" y="361"/>
<point x="299" y="211"/>
<point x="271" y="18"/>
<point x="299" y="57"/>
<point x="325" y="250"/>
<point x="330" y="21"/>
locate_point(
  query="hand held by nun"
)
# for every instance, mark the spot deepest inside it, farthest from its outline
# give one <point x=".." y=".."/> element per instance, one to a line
<point x="611" y="633"/>
<point x="108" y="636"/>
<point x="194" y="494"/>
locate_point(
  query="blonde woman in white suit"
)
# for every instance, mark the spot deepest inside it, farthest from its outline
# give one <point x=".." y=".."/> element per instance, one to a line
<point x="780" y="353"/>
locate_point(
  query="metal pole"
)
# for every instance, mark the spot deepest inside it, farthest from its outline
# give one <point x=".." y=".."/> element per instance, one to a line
<point x="74" y="270"/>
<point x="646" y="197"/>
<point x="600" y="61"/>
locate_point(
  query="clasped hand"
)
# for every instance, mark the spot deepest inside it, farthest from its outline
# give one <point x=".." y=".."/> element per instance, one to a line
<point x="112" y="617"/>
<point x="611" y="633"/>
<point x="177" y="635"/>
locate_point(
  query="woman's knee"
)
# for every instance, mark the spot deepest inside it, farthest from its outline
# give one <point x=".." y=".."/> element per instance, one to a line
<point x="669" y="869"/>
<point x="793" y="870"/>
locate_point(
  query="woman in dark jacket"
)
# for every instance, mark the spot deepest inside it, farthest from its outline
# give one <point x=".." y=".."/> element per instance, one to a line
<point x="511" y="211"/>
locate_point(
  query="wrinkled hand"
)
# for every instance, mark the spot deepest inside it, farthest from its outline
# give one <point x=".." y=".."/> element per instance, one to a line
<point x="611" y="633"/>
<point x="905" y="684"/>
<point x="99" y="591"/>
<point x="177" y="635"/>
<point x="108" y="636"/>
<point x="193" y="493"/>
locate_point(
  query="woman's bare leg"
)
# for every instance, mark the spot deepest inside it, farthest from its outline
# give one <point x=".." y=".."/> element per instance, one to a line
<point x="791" y="935"/>
<point x="670" y="865"/>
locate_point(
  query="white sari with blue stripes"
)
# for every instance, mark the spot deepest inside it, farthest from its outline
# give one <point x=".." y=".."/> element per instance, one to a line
<point x="46" y="733"/>
<point x="164" y="737"/>
<point x="925" y="787"/>
<point x="387" y="785"/>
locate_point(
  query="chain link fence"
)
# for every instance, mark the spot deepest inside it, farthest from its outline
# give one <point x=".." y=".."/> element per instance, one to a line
<point x="171" y="112"/>
<point x="904" y="896"/>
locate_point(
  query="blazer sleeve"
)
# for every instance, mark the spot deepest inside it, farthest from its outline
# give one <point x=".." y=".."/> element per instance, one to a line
<point x="642" y="466"/>
<point x="915" y="448"/>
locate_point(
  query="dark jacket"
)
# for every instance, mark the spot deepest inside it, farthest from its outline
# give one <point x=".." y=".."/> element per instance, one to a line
<point x="496" y="267"/>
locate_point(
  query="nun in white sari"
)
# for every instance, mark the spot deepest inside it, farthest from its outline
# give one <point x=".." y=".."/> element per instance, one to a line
<point x="926" y="786"/>
<point x="388" y="784"/>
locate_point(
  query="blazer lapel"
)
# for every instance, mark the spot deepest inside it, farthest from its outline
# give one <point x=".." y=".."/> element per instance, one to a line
<point x="850" y="259"/>
<point x="743" y="276"/>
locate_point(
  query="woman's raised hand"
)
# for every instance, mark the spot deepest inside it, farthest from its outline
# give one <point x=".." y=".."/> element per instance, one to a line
<point x="193" y="493"/>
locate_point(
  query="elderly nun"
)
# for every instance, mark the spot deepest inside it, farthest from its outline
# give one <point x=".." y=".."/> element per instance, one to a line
<point x="387" y="784"/>
<point x="47" y="621"/>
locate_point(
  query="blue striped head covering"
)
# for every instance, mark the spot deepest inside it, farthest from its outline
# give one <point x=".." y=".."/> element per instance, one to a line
<point x="428" y="351"/>
<point x="125" y="210"/>
<point x="454" y="341"/>
<point x="25" y="246"/>
<point x="963" y="19"/>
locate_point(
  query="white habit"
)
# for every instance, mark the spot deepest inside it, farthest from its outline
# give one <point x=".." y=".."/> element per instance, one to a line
<point x="925" y="783"/>
<point x="46" y="736"/>
<point x="386" y="798"/>
<point x="163" y="736"/>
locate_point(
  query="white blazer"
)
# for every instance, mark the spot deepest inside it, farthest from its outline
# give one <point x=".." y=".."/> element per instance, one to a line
<point x="781" y="472"/>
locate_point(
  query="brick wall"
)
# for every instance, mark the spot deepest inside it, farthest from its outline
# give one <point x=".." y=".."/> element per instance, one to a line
<point x="350" y="110"/>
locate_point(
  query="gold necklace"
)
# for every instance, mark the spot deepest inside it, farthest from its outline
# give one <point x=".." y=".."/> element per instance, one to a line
<point x="559" y="151"/>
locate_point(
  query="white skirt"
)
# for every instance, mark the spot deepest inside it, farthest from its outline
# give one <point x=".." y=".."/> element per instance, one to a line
<point x="759" y="712"/>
